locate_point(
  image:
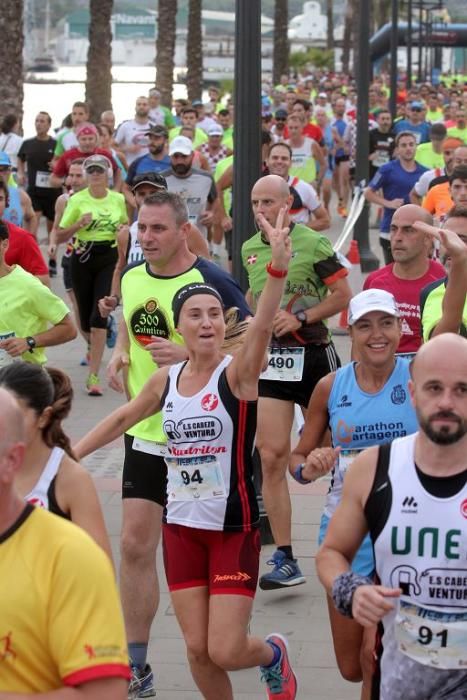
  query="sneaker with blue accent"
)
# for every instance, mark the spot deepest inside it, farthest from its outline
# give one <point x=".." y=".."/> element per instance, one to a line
<point x="285" y="573"/>
<point x="111" y="332"/>
<point x="142" y="683"/>
<point x="280" y="679"/>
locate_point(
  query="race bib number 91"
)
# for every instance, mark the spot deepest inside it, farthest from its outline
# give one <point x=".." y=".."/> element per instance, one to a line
<point x="432" y="636"/>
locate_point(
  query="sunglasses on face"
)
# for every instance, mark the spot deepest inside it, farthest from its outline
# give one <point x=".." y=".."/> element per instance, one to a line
<point x="281" y="119"/>
<point x="95" y="170"/>
<point x="4" y="168"/>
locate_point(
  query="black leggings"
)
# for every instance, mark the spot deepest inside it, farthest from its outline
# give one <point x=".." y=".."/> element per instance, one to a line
<point x="91" y="279"/>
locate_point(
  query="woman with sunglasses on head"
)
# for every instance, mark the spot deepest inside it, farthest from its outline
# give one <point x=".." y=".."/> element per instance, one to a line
<point x="93" y="217"/>
<point x="50" y="476"/>
<point x="210" y="530"/>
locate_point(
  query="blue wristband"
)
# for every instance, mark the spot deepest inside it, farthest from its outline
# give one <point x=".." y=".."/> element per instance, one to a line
<point x="297" y="475"/>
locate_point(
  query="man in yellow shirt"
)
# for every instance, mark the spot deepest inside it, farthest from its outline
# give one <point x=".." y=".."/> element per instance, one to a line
<point x="460" y="129"/>
<point x="27" y="310"/>
<point x="61" y="627"/>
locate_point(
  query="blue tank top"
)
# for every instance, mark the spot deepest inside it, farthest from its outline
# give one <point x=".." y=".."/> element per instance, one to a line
<point x="358" y="420"/>
<point x="14" y="212"/>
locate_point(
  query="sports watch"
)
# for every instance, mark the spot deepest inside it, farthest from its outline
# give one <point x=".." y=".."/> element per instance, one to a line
<point x="301" y="316"/>
<point x="31" y="343"/>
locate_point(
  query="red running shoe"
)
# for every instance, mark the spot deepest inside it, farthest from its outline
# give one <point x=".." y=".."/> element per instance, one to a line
<point x="280" y="678"/>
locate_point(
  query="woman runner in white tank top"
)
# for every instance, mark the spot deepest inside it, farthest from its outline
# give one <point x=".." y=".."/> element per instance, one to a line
<point x="50" y="477"/>
<point x="211" y="548"/>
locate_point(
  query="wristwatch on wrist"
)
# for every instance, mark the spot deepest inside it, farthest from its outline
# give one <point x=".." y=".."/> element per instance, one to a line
<point x="301" y="316"/>
<point x="31" y="343"/>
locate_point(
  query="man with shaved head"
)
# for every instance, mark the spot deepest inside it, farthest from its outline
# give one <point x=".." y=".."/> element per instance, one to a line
<point x="61" y="627"/>
<point x="301" y="352"/>
<point x="411" y="496"/>
<point x="410" y="272"/>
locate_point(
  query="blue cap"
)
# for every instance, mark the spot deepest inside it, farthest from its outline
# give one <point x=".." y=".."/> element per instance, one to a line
<point x="4" y="158"/>
<point x="416" y="104"/>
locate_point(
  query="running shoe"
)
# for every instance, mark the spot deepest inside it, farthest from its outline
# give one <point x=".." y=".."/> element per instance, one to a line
<point x="86" y="359"/>
<point x="93" y="385"/>
<point x="280" y="679"/>
<point x="285" y="573"/>
<point x="52" y="267"/>
<point x="142" y="683"/>
<point x="111" y="332"/>
<point x="342" y="211"/>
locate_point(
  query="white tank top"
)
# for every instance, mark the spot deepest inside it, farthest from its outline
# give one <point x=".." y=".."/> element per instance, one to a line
<point x="38" y="495"/>
<point x="210" y="439"/>
<point x="422" y="549"/>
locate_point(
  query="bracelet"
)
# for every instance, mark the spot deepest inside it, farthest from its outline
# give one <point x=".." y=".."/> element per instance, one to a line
<point x="343" y="589"/>
<point x="279" y="274"/>
<point x="297" y="474"/>
<point x="117" y="299"/>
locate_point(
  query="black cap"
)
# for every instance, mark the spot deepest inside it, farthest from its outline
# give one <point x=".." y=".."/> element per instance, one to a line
<point x="151" y="178"/>
<point x="158" y="130"/>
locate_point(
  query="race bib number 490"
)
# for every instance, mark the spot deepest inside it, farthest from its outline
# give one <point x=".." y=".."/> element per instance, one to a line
<point x="432" y="636"/>
<point x="194" y="478"/>
<point x="284" y="364"/>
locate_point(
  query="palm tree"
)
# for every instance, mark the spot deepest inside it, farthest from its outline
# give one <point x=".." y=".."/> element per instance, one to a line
<point x="11" y="59"/>
<point x="194" y="52"/>
<point x="281" y="42"/>
<point x="99" y="62"/>
<point x="349" y="21"/>
<point x="165" y="49"/>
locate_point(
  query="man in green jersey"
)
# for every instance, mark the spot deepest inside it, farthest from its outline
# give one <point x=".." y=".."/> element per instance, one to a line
<point x="301" y="353"/>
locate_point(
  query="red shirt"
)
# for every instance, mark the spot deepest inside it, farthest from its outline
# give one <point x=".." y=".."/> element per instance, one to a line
<point x="311" y="130"/>
<point x="62" y="165"/>
<point x="23" y="250"/>
<point x="407" y="295"/>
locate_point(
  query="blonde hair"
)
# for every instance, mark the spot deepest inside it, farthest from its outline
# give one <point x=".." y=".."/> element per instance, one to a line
<point x="235" y="332"/>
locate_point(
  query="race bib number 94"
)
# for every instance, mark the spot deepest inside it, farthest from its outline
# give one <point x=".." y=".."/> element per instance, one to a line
<point x="194" y="478"/>
<point x="432" y="636"/>
<point x="284" y="364"/>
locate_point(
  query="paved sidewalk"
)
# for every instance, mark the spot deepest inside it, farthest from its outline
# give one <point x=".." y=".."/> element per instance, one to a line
<point x="300" y="614"/>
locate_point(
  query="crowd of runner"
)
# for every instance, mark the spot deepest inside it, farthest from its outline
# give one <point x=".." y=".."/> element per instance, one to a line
<point x="139" y="224"/>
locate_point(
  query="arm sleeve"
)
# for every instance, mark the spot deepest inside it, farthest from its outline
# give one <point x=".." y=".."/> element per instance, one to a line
<point x="327" y="266"/>
<point x="46" y="304"/>
<point x="87" y="636"/>
<point x="60" y="168"/>
<point x="228" y="288"/>
<point x="32" y="259"/>
<point x="70" y="215"/>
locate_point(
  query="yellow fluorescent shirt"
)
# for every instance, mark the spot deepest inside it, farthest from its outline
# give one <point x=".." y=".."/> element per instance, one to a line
<point x="27" y="308"/>
<point x="60" y="617"/>
<point x="107" y="214"/>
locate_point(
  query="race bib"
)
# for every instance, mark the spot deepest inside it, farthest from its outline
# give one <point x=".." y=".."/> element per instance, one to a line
<point x="381" y="157"/>
<point x="432" y="636"/>
<point x="5" y="358"/>
<point x="346" y="457"/>
<point x="42" y="178"/>
<point x="151" y="448"/>
<point x="284" y="365"/>
<point x="194" y="478"/>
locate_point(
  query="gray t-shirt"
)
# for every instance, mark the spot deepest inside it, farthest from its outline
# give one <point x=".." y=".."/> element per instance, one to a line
<point x="197" y="190"/>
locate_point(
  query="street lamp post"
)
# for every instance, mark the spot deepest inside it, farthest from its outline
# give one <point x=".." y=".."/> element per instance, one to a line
<point x="247" y="135"/>
<point x="368" y="261"/>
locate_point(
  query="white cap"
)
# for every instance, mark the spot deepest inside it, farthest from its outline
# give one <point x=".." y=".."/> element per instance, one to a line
<point x="181" y="144"/>
<point x="371" y="300"/>
<point x="215" y="130"/>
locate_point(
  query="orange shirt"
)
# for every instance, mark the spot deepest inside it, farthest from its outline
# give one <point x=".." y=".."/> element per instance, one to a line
<point x="438" y="200"/>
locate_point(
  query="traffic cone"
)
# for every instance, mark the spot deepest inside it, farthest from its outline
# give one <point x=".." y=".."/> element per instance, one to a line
<point x="354" y="278"/>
